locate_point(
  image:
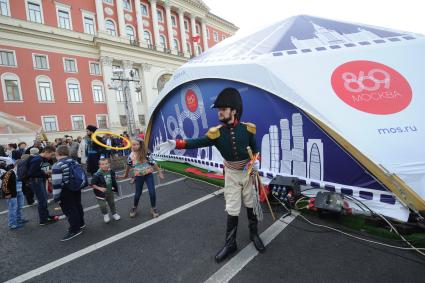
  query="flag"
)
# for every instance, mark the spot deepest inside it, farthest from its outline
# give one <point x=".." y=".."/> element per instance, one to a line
<point x="196" y="38"/>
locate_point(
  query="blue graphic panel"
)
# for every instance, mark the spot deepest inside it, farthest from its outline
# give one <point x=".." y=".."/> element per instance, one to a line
<point x="290" y="142"/>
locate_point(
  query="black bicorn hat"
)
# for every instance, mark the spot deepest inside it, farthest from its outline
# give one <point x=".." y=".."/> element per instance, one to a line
<point x="229" y="97"/>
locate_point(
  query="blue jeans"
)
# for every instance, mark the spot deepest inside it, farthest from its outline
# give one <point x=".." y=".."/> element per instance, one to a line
<point x="14" y="206"/>
<point x="139" y="181"/>
<point x="38" y="186"/>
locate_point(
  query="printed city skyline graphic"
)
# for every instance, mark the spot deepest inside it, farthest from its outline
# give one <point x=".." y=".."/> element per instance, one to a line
<point x="277" y="155"/>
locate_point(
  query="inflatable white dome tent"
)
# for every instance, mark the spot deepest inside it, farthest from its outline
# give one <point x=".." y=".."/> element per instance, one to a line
<point x="337" y="105"/>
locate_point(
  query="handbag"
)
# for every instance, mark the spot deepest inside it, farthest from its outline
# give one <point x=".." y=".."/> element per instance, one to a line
<point x="142" y="169"/>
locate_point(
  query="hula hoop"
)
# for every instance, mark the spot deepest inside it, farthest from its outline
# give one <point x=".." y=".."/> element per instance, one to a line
<point x="96" y="141"/>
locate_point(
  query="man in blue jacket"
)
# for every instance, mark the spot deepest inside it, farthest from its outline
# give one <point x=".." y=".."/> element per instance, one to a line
<point x="38" y="174"/>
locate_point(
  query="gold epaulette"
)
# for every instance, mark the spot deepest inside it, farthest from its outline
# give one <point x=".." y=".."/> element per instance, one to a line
<point x="251" y="127"/>
<point x="214" y="132"/>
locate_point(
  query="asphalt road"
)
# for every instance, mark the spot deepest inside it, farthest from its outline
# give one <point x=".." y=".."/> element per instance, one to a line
<point x="180" y="245"/>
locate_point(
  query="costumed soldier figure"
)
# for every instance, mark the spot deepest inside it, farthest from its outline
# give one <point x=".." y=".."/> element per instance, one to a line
<point x="231" y="138"/>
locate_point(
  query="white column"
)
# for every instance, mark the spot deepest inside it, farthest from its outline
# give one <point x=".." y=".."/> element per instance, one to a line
<point x="128" y="66"/>
<point x="111" y="97"/>
<point x="169" y="26"/>
<point x="204" y="34"/>
<point x="182" y="31"/>
<point x="100" y="16"/>
<point x="193" y="24"/>
<point x="155" y="22"/>
<point x="139" y="21"/>
<point x="121" y="21"/>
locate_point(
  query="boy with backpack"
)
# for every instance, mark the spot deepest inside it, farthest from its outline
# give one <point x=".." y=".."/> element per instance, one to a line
<point x="11" y="190"/>
<point x="68" y="179"/>
<point x="104" y="185"/>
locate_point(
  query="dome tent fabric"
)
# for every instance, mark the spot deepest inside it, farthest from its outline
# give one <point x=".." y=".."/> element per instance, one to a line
<point x="336" y="104"/>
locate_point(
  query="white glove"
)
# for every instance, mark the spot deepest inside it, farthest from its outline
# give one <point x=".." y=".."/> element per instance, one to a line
<point x="166" y="147"/>
<point x="256" y="165"/>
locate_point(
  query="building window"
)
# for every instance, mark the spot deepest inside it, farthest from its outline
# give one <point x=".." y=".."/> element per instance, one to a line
<point x="123" y="120"/>
<point x="120" y="95"/>
<point x="130" y="33"/>
<point x="215" y="36"/>
<point x="198" y="29"/>
<point x="223" y="37"/>
<point x="199" y="49"/>
<point x="208" y="33"/>
<point x="127" y="4"/>
<point x="189" y="49"/>
<point x="110" y="28"/>
<point x="109" y="2"/>
<point x="176" y="44"/>
<point x="4" y="8"/>
<point x="70" y="65"/>
<point x="11" y="87"/>
<point x="102" y="122"/>
<point x="162" y="41"/>
<point x="144" y="10"/>
<point x="64" y="19"/>
<point x="136" y="73"/>
<point x="186" y="25"/>
<point x="89" y="26"/>
<point x="50" y="123"/>
<point x="7" y="58"/>
<point x="160" y="17"/>
<point x="34" y="12"/>
<point x="148" y="37"/>
<point x="94" y="68"/>
<point x="40" y="62"/>
<point x="142" y="120"/>
<point x="44" y="89"/>
<point x="173" y="21"/>
<point x="97" y="90"/>
<point x="139" y="96"/>
<point x="73" y="87"/>
<point x="77" y="122"/>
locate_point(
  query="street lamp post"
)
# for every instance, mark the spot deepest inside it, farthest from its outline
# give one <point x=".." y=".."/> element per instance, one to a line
<point x="121" y="82"/>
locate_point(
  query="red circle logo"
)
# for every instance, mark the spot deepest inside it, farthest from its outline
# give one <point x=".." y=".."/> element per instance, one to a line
<point x="191" y="101"/>
<point x="371" y="87"/>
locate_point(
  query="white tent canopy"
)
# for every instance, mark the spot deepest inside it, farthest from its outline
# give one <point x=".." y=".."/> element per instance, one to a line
<point x="363" y="85"/>
<point x="13" y="129"/>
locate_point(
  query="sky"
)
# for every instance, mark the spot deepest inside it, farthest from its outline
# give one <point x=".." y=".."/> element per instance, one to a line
<point x="249" y="15"/>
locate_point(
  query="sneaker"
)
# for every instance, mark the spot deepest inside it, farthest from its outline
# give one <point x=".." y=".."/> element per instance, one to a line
<point x="154" y="213"/>
<point x="48" y="221"/>
<point x="106" y="218"/>
<point x="116" y="217"/>
<point x="133" y="212"/>
<point x="17" y="226"/>
<point x="69" y="235"/>
<point x="23" y="221"/>
<point x="54" y="218"/>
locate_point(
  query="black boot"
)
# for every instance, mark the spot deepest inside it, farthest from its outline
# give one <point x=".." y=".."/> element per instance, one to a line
<point x="253" y="231"/>
<point x="230" y="245"/>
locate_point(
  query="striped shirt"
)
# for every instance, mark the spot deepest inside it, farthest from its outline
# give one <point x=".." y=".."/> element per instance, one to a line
<point x="60" y="176"/>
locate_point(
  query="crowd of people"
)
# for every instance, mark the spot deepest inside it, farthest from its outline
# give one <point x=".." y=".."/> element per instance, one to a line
<point x="61" y="168"/>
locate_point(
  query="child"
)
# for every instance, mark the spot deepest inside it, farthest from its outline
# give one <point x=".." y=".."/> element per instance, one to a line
<point x="143" y="166"/>
<point x="12" y="191"/>
<point x="104" y="185"/>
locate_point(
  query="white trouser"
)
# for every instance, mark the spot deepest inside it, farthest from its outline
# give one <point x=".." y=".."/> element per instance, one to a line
<point x="237" y="187"/>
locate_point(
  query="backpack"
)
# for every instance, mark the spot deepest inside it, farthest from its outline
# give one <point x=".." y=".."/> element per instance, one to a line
<point x="5" y="193"/>
<point x="77" y="177"/>
<point x="23" y="169"/>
